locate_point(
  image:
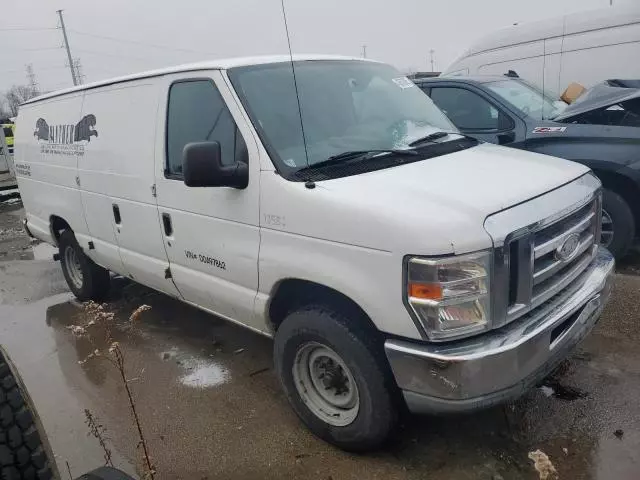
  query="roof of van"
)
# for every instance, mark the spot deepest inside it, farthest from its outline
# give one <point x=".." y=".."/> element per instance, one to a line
<point x="221" y="64"/>
<point x="553" y="27"/>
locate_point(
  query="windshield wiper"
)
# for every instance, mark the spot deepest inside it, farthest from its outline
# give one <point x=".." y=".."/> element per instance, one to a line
<point x="429" y="138"/>
<point x="356" y="155"/>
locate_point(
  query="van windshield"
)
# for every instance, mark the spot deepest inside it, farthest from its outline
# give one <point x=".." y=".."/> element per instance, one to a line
<point x="527" y="99"/>
<point x="346" y="106"/>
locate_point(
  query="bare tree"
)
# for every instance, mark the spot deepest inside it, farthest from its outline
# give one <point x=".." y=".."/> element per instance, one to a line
<point x="16" y="95"/>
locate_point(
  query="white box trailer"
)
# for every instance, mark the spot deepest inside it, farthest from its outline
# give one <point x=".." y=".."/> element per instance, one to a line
<point x="586" y="47"/>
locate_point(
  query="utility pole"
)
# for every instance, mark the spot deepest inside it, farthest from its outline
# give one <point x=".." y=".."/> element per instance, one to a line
<point x="364" y="51"/>
<point x="78" y="68"/>
<point x="431" y="52"/>
<point x="31" y="77"/>
<point x="66" y="44"/>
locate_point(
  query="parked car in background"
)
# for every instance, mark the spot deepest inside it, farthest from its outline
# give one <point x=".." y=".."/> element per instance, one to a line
<point x="8" y="130"/>
<point x="608" y="103"/>
<point x="391" y="259"/>
<point x="510" y="111"/>
<point x="586" y="47"/>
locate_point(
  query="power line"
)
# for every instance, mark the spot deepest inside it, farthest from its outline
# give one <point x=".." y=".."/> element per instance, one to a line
<point x="45" y="68"/>
<point x="26" y="29"/>
<point x="33" y="49"/>
<point x="116" y="55"/>
<point x="134" y="42"/>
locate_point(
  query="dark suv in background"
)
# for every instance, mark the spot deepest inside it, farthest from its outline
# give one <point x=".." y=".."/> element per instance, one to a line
<point x="511" y="112"/>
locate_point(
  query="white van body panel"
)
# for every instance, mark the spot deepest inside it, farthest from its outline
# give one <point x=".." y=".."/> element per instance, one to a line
<point x="387" y="214"/>
<point x="587" y="47"/>
<point x="48" y="180"/>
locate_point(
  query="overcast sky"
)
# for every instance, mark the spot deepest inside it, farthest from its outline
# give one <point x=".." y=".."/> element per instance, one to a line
<point x="400" y="32"/>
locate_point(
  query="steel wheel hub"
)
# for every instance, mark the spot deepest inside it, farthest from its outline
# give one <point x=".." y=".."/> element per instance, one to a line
<point x="325" y="384"/>
<point x="74" y="268"/>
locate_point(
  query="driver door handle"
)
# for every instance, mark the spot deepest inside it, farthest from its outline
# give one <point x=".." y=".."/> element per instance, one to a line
<point x="166" y="222"/>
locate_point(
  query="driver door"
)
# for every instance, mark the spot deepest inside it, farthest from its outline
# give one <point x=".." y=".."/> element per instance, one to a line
<point x="211" y="234"/>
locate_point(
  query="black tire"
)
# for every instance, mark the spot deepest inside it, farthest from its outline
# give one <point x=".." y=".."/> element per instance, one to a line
<point x="361" y="349"/>
<point x="624" y="225"/>
<point x="23" y="455"/>
<point x="95" y="282"/>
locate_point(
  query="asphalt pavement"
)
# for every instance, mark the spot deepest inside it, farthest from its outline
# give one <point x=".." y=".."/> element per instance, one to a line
<point x="210" y="406"/>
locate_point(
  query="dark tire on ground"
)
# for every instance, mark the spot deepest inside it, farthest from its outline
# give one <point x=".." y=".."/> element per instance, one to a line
<point x="624" y="226"/>
<point x="94" y="282"/>
<point x="22" y="453"/>
<point x="360" y="347"/>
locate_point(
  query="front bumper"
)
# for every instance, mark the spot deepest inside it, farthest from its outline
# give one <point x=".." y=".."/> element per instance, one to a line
<point x="501" y="365"/>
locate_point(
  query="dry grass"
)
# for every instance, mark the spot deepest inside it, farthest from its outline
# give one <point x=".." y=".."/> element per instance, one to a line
<point x="96" y="314"/>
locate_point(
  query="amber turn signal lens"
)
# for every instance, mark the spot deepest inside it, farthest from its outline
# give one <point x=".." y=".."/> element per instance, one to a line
<point x="427" y="291"/>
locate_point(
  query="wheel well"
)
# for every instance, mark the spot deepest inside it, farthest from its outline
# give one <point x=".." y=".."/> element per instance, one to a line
<point x="291" y="294"/>
<point x="58" y="225"/>
<point x="624" y="187"/>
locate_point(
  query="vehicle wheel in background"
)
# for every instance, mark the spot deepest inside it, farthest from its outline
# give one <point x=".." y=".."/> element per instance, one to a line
<point x="86" y="280"/>
<point x="336" y="377"/>
<point x="23" y="455"/>
<point x="618" y="224"/>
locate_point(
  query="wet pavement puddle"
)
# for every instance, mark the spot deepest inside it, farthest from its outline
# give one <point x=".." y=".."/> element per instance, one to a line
<point x="553" y="388"/>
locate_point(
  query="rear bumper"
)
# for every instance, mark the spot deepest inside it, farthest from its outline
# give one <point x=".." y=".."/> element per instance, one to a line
<point x="498" y="366"/>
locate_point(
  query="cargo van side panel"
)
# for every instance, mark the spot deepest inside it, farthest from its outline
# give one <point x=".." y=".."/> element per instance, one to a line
<point x="47" y="155"/>
<point x="117" y="179"/>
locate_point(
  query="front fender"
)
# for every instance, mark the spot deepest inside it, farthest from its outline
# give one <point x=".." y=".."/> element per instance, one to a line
<point x="371" y="278"/>
<point x="598" y="153"/>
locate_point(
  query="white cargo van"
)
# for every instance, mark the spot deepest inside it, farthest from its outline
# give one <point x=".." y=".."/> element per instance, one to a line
<point x="394" y="260"/>
<point x="586" y="47"/>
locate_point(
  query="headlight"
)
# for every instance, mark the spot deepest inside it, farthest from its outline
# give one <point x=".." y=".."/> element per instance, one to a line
<point x="450" y="296"/>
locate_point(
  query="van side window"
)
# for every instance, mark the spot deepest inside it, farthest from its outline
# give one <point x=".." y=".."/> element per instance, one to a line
<point x="466" y="109"/>
<point x="197" y="113"/>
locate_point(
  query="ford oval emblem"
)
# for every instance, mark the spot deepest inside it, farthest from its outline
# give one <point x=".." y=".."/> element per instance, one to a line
<point x="567" y="249"/>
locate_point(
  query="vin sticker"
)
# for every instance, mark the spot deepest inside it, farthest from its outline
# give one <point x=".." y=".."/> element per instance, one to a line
<point x="549" y="129"/>
<point x="205" y="259"/>
<point x="403" y="82"/>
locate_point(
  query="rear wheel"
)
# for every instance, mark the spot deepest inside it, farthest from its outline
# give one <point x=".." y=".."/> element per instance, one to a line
<point x="335" y="375"/>
<point x="618" y="224"/>
<point x="86" y="279"/>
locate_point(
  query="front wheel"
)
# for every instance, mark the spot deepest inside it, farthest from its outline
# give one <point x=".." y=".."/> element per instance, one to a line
<point x="618" y="224"/>
<point x="336" y="378"/>
<point x="86" y="279"/>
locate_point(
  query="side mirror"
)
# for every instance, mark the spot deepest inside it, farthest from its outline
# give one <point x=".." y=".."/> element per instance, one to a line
<point x="202" y="167"/>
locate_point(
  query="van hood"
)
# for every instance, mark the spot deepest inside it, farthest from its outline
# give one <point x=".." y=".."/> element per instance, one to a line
<point x="430" y="207"/>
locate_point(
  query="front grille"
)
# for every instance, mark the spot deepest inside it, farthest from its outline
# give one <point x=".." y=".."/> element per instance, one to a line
<point x="538" y="266"/>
